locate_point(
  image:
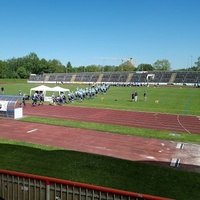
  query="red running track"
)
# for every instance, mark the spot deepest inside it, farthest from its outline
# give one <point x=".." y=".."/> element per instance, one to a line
<point x="134" y="148"/>
<point x="115" y="145"/>
<point x="156" y="121"/>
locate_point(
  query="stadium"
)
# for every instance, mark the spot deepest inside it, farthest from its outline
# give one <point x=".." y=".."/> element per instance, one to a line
<point x="102" y="146"/>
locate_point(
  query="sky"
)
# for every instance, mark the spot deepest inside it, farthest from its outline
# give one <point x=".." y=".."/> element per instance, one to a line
<point x="102" y="32"/>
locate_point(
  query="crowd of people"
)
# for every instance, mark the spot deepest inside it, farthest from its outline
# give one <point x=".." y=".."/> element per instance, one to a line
<point x="79" y="94"/>
<point x="87" y="93"/>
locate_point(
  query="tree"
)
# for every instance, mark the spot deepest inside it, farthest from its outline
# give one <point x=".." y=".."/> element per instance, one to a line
<point x="126" y="66"/>
<point x="69" y="67"/>
<point x="197" y="67"/>
<point x="80" y="69"/>
<point x="33" y="61"/>
<point x="162" y="65"/>
<point x="108" y="68"/>
<point x="92" y="68"/>
<point x="56" y="66"/>
<point x="12" y="64"/>
<point x="8" y="71"/>
<point x="44" y="66"/>
<point x="1" y="68"/>
<point x="21" y="71"/>
<point x="145" y="67"/>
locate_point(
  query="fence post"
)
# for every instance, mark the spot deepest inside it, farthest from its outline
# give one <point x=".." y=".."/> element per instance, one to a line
<point x="47" y="190"/>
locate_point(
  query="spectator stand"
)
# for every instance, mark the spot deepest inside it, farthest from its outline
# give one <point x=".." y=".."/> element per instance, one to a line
<point x="121" y="77"/>
<point x="9" y="107"/>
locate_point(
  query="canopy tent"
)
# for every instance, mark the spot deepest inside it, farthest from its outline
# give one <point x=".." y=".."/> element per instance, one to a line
<point x="59" y="89"/>
<point x="42" y="88"/>
<point x="45" y="89"/>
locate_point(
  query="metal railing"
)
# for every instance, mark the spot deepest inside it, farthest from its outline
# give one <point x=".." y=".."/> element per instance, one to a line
<point x="20" y="186"/>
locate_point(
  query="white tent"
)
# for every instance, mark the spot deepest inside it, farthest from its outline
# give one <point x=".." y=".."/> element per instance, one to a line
<point x="45" y="89"/>
<point x="42" y="88"/>
<point x="59" y="89"/>
<point x="55" y="89"/>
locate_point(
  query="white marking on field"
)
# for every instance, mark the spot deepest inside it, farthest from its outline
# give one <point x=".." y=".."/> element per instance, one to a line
<point x="150" y="157"/>
<point x="162" y="144"/>
<point x="31" y="131"/>
<point x="180" y="146"/>
<point x="182" y="124"/>
<point x="101" y="147"/>
<point x="175" y="162"/>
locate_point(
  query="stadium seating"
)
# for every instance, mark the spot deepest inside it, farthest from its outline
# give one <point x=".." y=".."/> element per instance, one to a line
<point x="151" y="77"/>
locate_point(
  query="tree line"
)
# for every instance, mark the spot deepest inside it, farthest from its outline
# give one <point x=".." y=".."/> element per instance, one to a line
<point x="24" y="66"/>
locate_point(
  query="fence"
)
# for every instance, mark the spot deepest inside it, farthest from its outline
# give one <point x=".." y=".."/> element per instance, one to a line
<point x="20" y="186"/>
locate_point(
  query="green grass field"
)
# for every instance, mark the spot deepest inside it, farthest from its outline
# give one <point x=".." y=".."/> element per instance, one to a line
<point x="106" y="171"/>
<point x="175" y="100"/>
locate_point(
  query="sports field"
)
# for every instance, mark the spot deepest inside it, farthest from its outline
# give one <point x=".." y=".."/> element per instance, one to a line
<point x="170" y="99"/>
<point x="129" y="175"/>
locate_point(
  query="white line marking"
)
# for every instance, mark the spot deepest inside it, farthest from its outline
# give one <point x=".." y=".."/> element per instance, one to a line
<point x="180" y="146"/>
<point x="150" y="157"/>
<point x="175" y="162"/>
<point x="182" y="125"/>
<point x="101" y="147"/>
<point x="31" y="131"/>
<point x="178" y="162"/>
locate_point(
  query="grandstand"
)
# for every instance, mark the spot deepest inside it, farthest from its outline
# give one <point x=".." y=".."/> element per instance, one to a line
<point x="190" y="78"/>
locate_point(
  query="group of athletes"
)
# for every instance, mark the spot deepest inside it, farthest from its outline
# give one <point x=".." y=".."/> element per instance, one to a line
<point x="79" y="94"/>
<point x="38" y="98"/>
